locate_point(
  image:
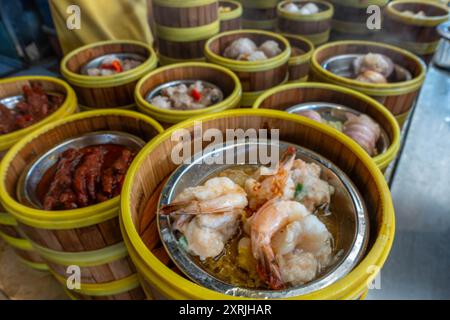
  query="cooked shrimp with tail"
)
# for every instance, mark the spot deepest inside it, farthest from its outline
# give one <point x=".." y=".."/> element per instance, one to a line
<point x="208" y="215"/>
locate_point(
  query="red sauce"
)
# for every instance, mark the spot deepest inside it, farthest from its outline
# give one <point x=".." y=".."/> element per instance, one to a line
<point x="84" y="177"/>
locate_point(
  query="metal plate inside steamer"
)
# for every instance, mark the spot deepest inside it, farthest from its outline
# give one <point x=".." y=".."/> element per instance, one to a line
<point x="342" y="65"/>
<point x="336" y="112"/>
<point x="352" y="212"/>
<point x="12" y="101"/>
<point x="97" y="62"/>
<point x="158" y="90"/>
<point x="28" y="182"/>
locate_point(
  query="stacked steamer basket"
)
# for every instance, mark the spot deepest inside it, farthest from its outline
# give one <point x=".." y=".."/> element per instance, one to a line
<point x="259" y="14"/>
<point x="10" y="90"/>
<point x="150" y="169"/>
<point x="316" y="26"/>
<point x="183" y="27"/>
<point x="225" y="80"/>
<point x="412" y="25"/>
<point x="109" y="91"/>
<point x="255" y="76"/>
<point x="301" y="52"/>
<point x="398" y="97"/>
<point x="87" y="237"/>
<point x="230" y="15"/>
<point x="291" y="95"/>
<point x="350" y="19"/>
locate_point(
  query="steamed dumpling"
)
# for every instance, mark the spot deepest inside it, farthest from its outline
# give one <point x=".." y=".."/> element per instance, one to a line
<point x="241" y="46"/>
<point x="254" y="56"/>
<point x="291" y="7"/>
<point x="374" y="62"/>
<point x="309" y="8"/>
<point x="370" y="76"/>
<point x="270" y="48"/>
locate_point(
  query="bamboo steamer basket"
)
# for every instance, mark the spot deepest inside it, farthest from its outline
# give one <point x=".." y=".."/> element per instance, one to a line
<point x="299" y="64"/>
<point x="283" y="97"/>
<point x="231" y="20"/>
<point x="183" y="27"/>
<point x="115" y="91"/>
<point x="11" y="235"/>
<point x="350" y="17"/>
<point x="87" y="237"/>
<point x="153" y="165"/>
<point x="316" y="27"/>
<point x="255" y="76"/>
<point x="418" y="35"/>
<point x="397" y="97"/>
<point x="259" y="14"/>
<point x="220" y="76"/>
<point x="11" y="87"/>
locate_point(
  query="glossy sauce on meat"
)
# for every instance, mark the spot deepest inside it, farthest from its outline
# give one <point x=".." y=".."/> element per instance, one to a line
<point x="36" y="106"/>
<point x="83" y="177"/>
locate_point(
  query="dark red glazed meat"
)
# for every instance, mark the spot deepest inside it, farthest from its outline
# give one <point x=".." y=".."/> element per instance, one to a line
<point x="85" y="177"/>
<point x="36" y="106"/>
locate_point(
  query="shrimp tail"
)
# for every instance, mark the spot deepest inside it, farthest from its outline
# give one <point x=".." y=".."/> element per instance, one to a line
<point x="268" y="269"/>
<point x="288" y="157"/>
<point x="190" y="208"/>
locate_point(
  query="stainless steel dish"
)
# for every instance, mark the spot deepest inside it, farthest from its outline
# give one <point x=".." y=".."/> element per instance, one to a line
<point x="442" y="56"/>
<point x="342" y="65"/>
<point x="12" y="101"/>
<point x="97" y="62"/>
<point x="336" y="112"/>
<point x="157" y="91"/>
<point x="28" y="182"/>
<point x="351" y="217"/>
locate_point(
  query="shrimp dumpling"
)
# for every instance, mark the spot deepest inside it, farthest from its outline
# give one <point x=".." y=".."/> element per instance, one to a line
<point x="242" y="46"/>
<point x="270" y="48"/>
<point x="254" y="56"/>
<point x="374" y="62"/>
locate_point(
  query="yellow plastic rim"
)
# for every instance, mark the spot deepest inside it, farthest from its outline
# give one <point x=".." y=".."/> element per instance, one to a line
<point x="18" y="243"/>
<point x="134" y="74"/>
<point x="259" y="24"/>
<point x="401" y="119"/>
<point x="302" y="58"/>
<point x="7" y="220"/>
<point x="370" y="88"/>
<point x="302" y="79"/>
<point x="127" y="107"/>
<point x="382" y="160"/>
<point x="248" y="98"/>
<point x="249" y="66"/>
<point x="164" y="60"/>
<point x="183" y="3"/>
<point x="66" y="219"/>
<point x="34" y="265"/>
<point x="259" y="4"/>
<point x="68" y="107"/>
<point x="233" y="14"/>
<point x="188" y="34"/>
<point x="350" y="27"/>
<point x="318" y="38"/>
<point x="432" y="21"/>
<point x="321" y="15"/>
<point x="173" y="116"/>
<point x="70" y="295"/>
<point x="168" y="281"/>
<point x="359" y="3"/>
<point x="421" y="48"/>
<point x="84" y="258"/>
<point x="103" y="289"/>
